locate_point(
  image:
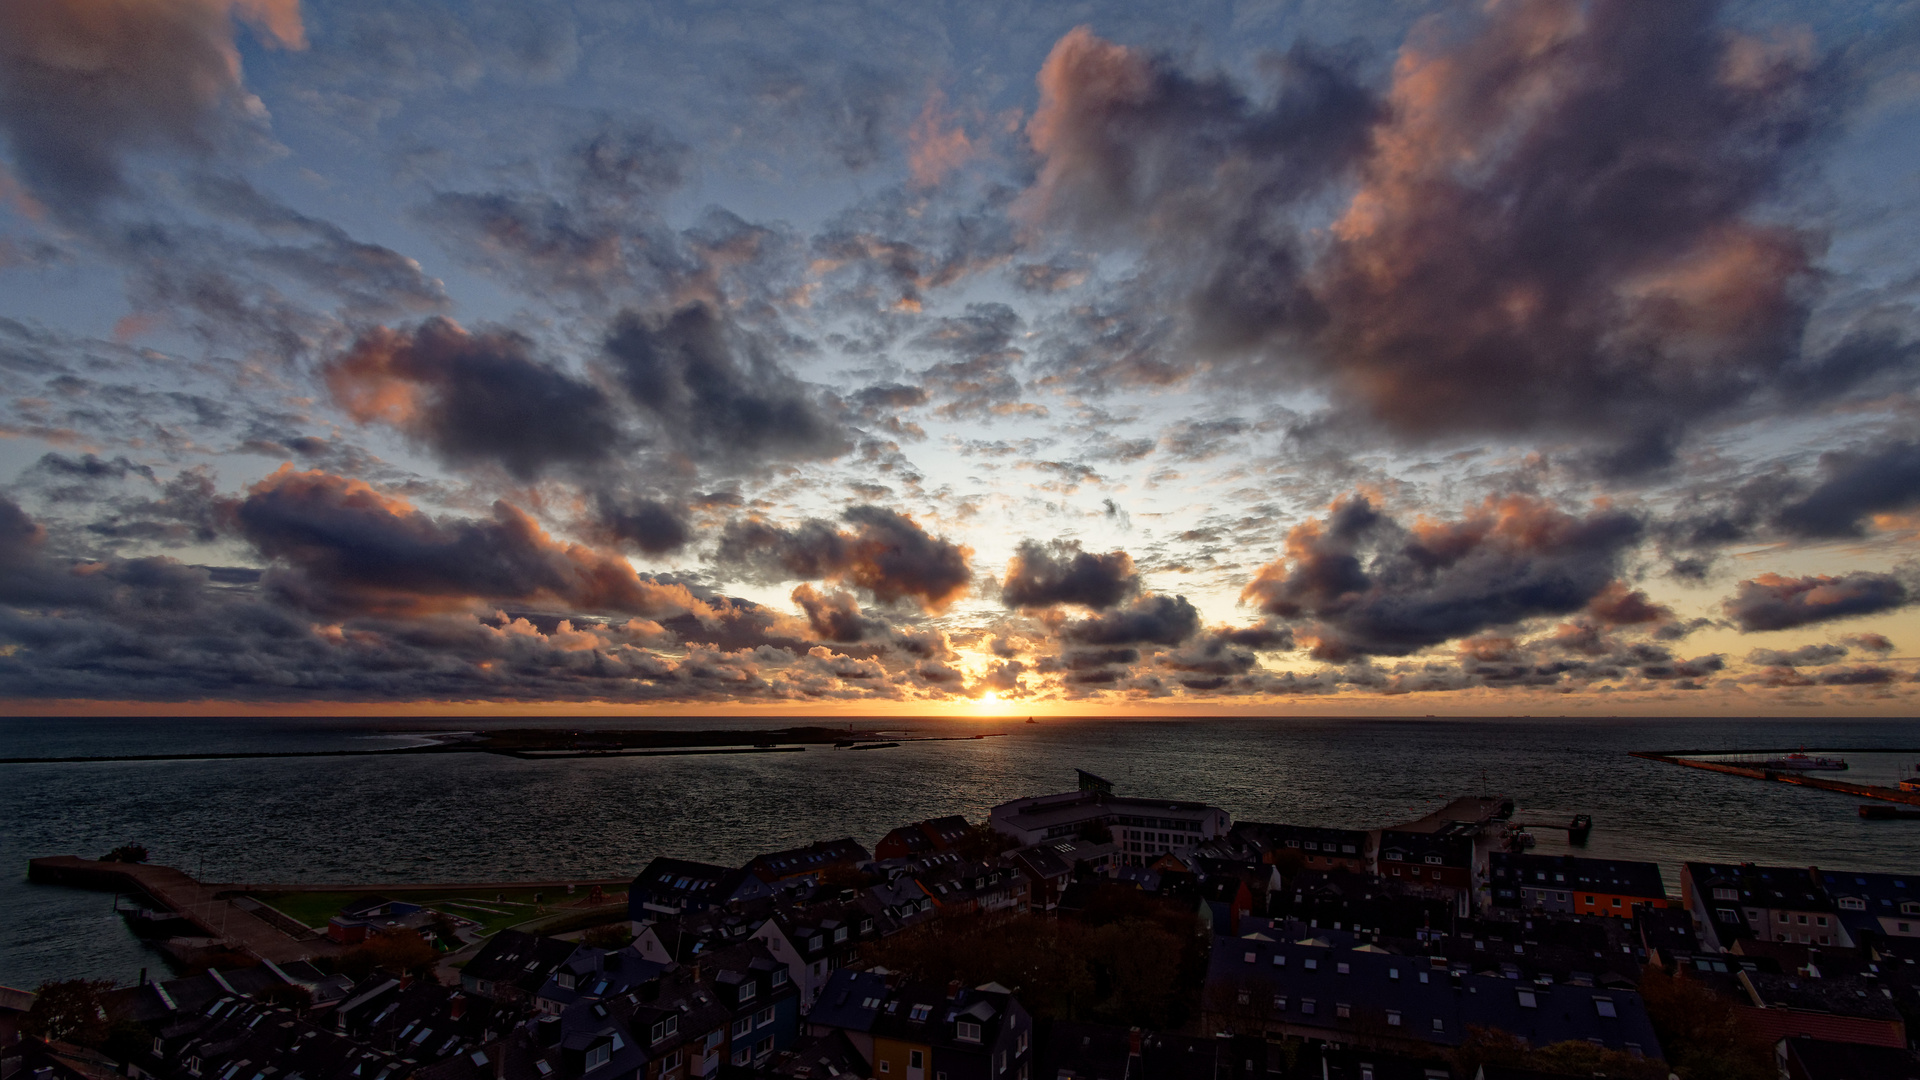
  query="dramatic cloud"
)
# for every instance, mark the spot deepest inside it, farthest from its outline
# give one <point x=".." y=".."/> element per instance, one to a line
<point x="647" y="525"/>
<point x="348" y="548"/>
<point x="1361" y="584"/>
<point x="85" y="82"/>
<point x="1555" y="198"/>
<point x="1773" y="602"/>
<point x="714" y="390"/>
<point x="1058" y="572"/>
<point x="1158" y="619"/>
<point x="1856" y="484"/>
<point x="886" y="553"/>
<point x="475" y="398"/>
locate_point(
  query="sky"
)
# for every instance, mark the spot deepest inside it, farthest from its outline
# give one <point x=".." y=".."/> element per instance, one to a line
<point x="1530" y="357"/>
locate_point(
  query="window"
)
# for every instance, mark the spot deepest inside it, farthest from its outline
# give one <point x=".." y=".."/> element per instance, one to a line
<point x="764" y="1018"/>
<point x="742" y="1026"/>
<point x="816" y="941"/>
<point x="967" y="1031"/>
<point x="1433" y="860"/>
<point x="1528" y="1000"/>
<point x="1394" y="974"/>
<point x="1343" y="1010"/>
<point x="1342" y="968"/>
<point x="1726" y="915"/>
<point x="886" y="1066"/>
<point x="1244" y="997"/>
<point x="670" y="1062"/>
<point x="916" y="1059"/>
<point x="1726" y="894"/>
<point x="1311" y="964"/>
<point x="866" y="926"/>
<point x="1306" y="1006"/>
<point x="664" y="1028"/>
<point x="744" y="1055"/>
<point x="1820" y="920"/>
<point x="1849" y="903"/>
<point x="780" y="976"/>
<point x="1279" y="960"/>
<point x="1604" y="1006"/>
<point x="1439" y="1024"/>
<point x="920" y="1013"/>
<point x="1280" y="1002"/>
<point x="747" y="990"/>
<point x="840" y="934"/>
<point x="1616" y="901"/>
<point x="598" y="1056"/>
<point x="1393" y="1017"/>
<point x="1248" y="958"/>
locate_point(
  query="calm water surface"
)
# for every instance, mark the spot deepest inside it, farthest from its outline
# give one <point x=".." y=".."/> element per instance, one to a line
<point x="479" y="817"/>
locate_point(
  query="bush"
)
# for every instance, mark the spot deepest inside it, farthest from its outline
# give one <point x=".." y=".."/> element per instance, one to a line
<point x="1488" y="1046"/>
<point x="610" y="936"/>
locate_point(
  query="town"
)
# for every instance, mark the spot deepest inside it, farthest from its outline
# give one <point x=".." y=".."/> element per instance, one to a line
<point x="1085" y="935"/>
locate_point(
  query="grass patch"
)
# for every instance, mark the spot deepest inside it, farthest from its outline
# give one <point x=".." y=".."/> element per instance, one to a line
<point x="494" y="909"/>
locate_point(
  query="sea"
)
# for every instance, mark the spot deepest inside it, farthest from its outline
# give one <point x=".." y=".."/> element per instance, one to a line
<point x="478" y="817"/>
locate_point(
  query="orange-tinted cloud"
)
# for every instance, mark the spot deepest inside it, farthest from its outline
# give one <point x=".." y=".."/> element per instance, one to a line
<point x="84" y="81"/>
<point x="344" y="546"/>
<point x="936" y="143"/>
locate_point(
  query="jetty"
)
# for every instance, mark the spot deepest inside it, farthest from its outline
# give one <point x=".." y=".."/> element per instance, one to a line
<point x="216" y="910"/>
<point x="1843" y="787"/>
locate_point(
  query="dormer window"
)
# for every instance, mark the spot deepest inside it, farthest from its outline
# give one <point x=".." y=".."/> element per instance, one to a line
<point x="598" y="1056"/>
<point x="746" y="991"/>
<point x="840" y="934"/>
<point x="665" y="1028"/>
<point x="816" y="942"/>
<point x="565" y="980"/>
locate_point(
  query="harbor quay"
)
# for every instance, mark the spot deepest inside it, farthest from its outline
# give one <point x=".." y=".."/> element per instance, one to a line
<point x="1085" y="934"/>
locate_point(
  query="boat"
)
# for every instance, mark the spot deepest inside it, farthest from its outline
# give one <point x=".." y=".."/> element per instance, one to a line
<point x="1874" y="812"/>
<point x="1031" y="720"/>
<point x="876" y="746"/>
<point x="1804" y="763"/>
<point x="1911" y="783"/>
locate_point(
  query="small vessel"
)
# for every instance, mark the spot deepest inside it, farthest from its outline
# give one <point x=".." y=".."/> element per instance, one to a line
<point x="1031" y="720"/>
<point x="876" y="746"/>
<point x="1888" y="813"/>
<point x="1804" y="763"/>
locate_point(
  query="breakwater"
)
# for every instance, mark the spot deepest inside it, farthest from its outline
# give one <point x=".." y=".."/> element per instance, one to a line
<point x="1843" y="787"/>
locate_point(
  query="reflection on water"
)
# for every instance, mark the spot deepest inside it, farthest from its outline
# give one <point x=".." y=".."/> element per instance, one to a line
<point x="482" y="818"/>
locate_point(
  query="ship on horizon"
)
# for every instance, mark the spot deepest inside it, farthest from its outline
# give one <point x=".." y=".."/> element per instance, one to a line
<point x="1798" y="762"/>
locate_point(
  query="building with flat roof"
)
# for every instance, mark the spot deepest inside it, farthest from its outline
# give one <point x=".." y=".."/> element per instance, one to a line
<point x="1143" y="829"/>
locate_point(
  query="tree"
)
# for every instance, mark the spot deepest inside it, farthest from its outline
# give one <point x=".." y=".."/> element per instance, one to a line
<point x="70" y="1010"/>
<point x="981" y="843"/>
<point x="402" y="952"/>
<point x="1702" y="1033"/>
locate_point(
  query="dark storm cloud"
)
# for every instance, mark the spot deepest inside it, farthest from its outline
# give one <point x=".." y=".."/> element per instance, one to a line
<point x="1156" y="619"/>
<point x="717" y="392"/>
<point x="1774" y="602"/>
<point x="886" y="553"/>
<point x="647" y="525"/>
<point x="83" y="84"/>
<point x="1598" y="261"/>
<point x="1058" y="572"/>
<point x="1360" y="584"/>
<point x="1854" y="485"/>
<point x="348" y="548"/>
<point x="474" y="398"/>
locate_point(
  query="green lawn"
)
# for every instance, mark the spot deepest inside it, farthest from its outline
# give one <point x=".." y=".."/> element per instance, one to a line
<point x="493" y="909"/>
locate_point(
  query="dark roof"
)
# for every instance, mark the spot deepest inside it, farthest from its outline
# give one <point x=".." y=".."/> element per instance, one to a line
<point x="1286" y="976"/>
<point x="793" y="862"/>
<point x="1617" y="876"/>
<point x="849" y="1001"/>
<point x="517" y="958"/>
<point x="1076" y="1051"/>
<point x="1838" y="997"/>
<point x="1784" y="887"/>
